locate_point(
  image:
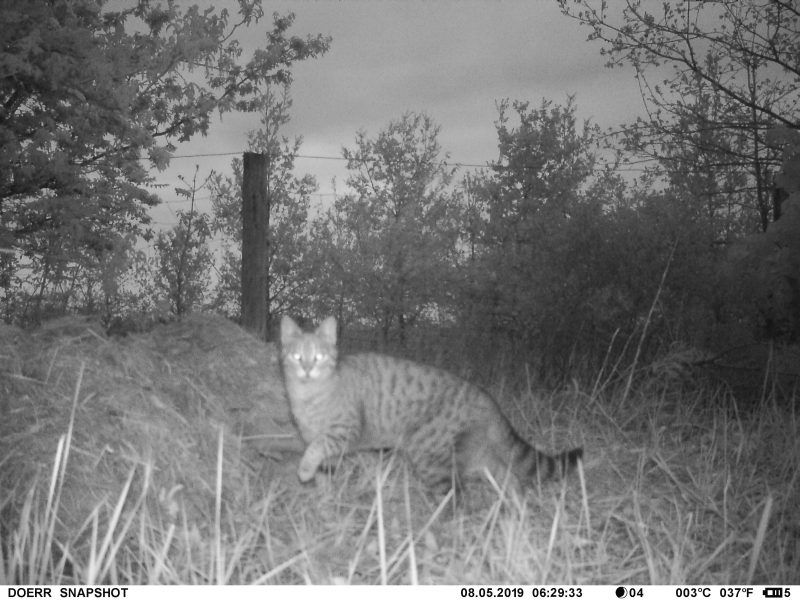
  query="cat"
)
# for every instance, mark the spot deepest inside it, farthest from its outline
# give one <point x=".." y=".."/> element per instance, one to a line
<point x="448" y="429"/>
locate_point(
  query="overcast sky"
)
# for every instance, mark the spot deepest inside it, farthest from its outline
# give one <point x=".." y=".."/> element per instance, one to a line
<point x="451" y="59"/>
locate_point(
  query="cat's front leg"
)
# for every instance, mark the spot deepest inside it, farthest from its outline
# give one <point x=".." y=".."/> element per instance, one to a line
<point x="321" y="451"/>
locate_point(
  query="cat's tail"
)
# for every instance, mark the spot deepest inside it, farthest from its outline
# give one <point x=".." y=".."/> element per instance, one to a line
<point x="565" y="462"/>
<point x="532" y="465"/>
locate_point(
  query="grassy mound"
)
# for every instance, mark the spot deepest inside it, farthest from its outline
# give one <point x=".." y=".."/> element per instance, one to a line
<point x="168" y="457"/>
<point x="139" y="418"/>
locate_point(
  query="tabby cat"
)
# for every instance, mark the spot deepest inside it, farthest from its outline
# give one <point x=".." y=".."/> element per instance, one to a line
<point x="447" y="428"/>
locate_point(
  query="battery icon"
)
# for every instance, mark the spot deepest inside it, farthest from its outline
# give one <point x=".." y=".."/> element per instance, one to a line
<point x="773" y="592"/>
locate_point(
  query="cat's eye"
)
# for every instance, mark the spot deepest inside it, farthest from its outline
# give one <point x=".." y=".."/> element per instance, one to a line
<point x="295" y="356"/>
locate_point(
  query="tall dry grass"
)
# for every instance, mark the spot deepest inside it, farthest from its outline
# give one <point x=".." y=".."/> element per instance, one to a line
<point x="680" y="485"/>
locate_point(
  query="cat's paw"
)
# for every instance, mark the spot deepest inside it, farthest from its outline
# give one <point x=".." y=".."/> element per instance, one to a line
<point x="306" y="471"/>
<point x="305" y="476"/>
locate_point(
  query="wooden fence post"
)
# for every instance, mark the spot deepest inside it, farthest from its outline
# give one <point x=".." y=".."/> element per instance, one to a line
<point x="255" y="243"/>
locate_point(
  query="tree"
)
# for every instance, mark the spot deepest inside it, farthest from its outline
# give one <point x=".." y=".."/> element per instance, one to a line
<point x="184" y="263"/>
<point x="86" y="93"/>
<point x="401" y="225"/>
<point x="334" y="284"/>
<point x="530" y="196"/>
<point x="703" y="166"/>
<point x="70" y="278"/>
<point x="183" y="257"/>
<point x="721" y="126"/>
<point x="735" y="76"/>
<point x="766" y="266"/>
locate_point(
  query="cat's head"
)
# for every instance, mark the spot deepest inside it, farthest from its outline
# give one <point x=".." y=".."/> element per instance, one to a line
<point x="308" y="356"/>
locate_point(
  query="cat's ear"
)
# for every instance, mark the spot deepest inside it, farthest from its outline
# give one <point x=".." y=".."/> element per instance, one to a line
<point x="327" y="330"/>
<point x="289" y="329"/>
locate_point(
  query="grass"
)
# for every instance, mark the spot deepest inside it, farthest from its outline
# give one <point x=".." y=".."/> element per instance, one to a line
<point x="680" y="485"/>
